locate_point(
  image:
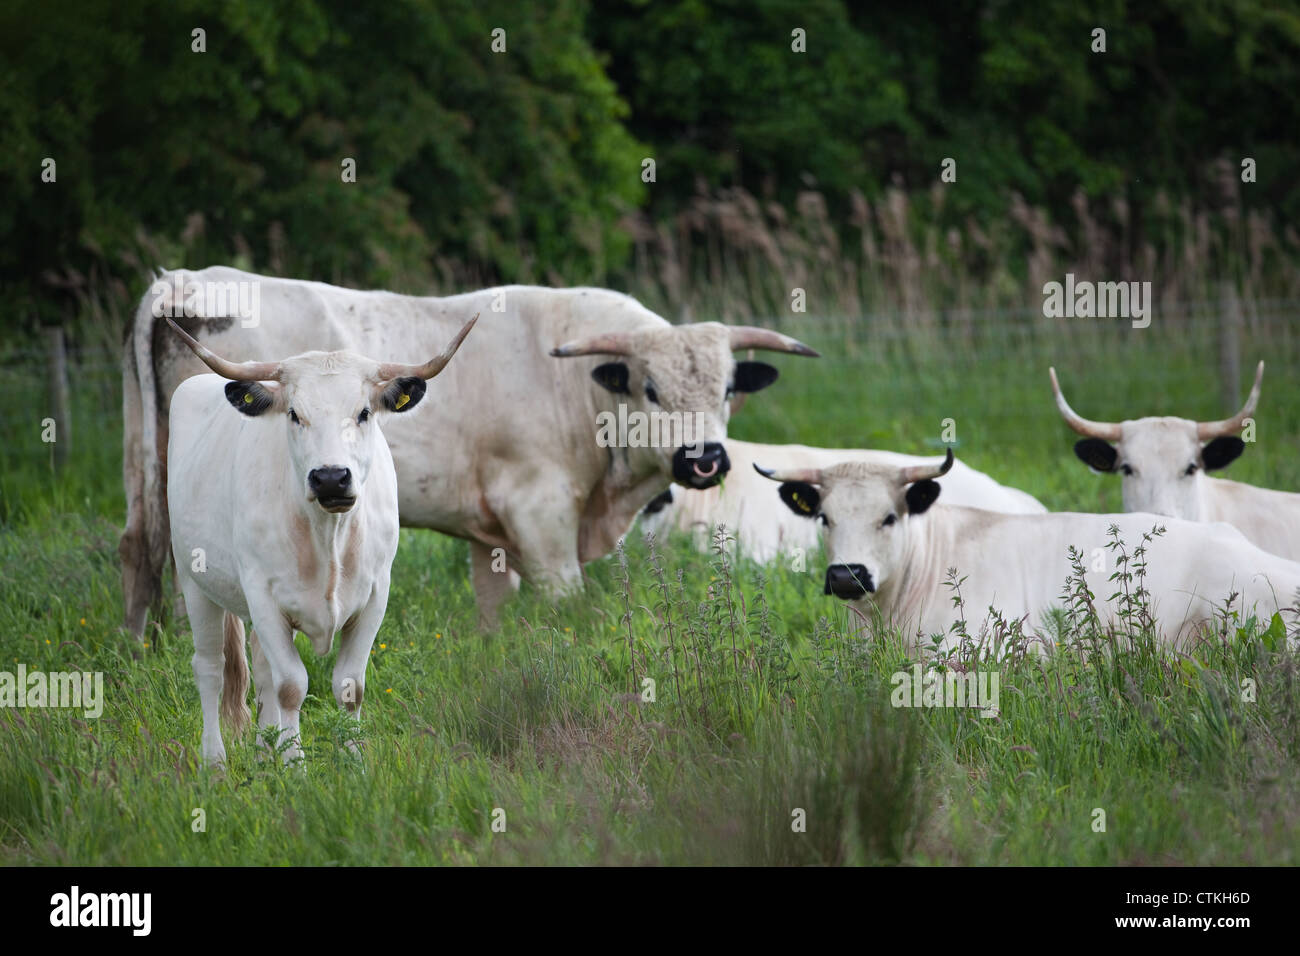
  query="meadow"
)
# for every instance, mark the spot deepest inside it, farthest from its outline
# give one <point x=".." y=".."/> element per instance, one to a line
<point x="768" y="699"/>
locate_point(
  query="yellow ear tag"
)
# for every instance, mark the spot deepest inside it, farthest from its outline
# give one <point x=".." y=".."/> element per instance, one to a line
<point x="403" y="400"/>
<point x="248" y="399"/>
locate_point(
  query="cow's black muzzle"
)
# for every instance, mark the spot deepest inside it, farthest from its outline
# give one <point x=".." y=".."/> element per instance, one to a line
<point x="332" y="488"/>
<point x="703" y="471"/>
<point x="848" y="582"/>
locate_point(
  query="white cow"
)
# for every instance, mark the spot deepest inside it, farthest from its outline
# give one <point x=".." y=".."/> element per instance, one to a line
<point x="285" y="515"/>
<point x="764" y="530"/>
<point x="1164" y="463"/>
<point x="520" y="459"/>
<point x="886" y="544"/>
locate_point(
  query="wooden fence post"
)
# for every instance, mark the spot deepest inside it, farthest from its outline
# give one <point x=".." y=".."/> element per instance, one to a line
<point x="59" y="405"/>
<point x="1231" y="321"/>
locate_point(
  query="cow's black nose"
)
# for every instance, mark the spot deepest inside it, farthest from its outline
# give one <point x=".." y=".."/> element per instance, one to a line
<point x="700" y="467"/>
<point x="848" y="581"/>
<point x="330" y="483"/>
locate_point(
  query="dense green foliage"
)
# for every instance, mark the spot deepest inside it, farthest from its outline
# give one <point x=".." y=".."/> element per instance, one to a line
<point x="474" y="165"/>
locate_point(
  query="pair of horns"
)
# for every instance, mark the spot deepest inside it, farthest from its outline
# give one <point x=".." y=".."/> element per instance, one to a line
<point x="742" y="337"/>
<point x="1110" y="431"/>
<point x="813" y="476"/>
<point x="271" y="371"/>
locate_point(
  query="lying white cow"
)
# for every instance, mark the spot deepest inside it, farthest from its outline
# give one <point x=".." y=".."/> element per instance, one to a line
<point x="1164" y="463"/>
<point x="764" y="530"/>
<point x="521" y="459"/>
<point x="886" y="543"/>
<point x="285" y="515"/>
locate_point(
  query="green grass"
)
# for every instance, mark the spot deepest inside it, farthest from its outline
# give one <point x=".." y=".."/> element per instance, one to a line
<point x="765" y="700"/>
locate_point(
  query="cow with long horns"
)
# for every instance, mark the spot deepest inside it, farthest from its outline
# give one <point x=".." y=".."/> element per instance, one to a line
<point x="284" y="512"/>
<point x="517" y="461"/>
<point x="1164" y="463"/>
<point x="889" y="544"/>
<point x="764" y="530"/>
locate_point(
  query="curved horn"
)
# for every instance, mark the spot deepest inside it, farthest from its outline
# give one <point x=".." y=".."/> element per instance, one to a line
<point x="611" y="343"/>
<point x="1110" y="431"/>
<point x="812" y="476"/>
<point x="921" y="472"/>
<point x="235" y="371"/>
<point x="391" y="370"/>
<point x="1230" y="426"/>
<point x="752" y="337"/>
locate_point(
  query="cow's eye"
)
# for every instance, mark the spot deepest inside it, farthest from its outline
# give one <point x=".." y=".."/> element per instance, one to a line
<point x="293" y="417"/>
<point x="889" y="519"/>
<point x="1191" y="469"/>
<point x="1125" y="470"/>
<point x="651" y="394"/>
<point x="364" y="416"/>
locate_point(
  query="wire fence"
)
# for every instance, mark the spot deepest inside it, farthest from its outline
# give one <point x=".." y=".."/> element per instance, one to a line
<point x="1224" y="344"/>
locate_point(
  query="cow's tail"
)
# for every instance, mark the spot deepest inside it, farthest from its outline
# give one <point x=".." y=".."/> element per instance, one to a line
<point x="234" y="686"/>
<point x="144" y="544"/>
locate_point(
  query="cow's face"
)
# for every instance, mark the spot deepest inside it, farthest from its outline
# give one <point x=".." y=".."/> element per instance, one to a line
<point x="1160" y="459"/>
<point x="1160" y="462"/>
<point x="329" y="404"/>
<point x="865" y="509"/>
<point x="673" y="386"/>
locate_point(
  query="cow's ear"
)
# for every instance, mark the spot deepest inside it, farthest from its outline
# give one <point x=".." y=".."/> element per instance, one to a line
<point x="251" y="398"/>
<point x="659" y="502"/>
<point x="1222" y="452"/>
<point x="753" y="376"/>
<point x="801" y="498"/>
<point x="611" y="376"/>
<point x="1096" y="453"/>
<point x="920" y="495"/>
<point x="401" y="394"/>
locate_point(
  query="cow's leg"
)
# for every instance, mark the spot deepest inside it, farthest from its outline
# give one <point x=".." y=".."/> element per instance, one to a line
<point x="545" y="530"/>
<point x="137" y="585"/>
<point x="355" y="641"/>
<point x="494" y="582"/>
<point x="268" y="709"/>
<point x="206" y="619"/>
<point x="288" y="675"/>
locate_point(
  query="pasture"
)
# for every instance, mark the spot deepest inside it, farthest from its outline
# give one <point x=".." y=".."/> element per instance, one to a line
<point x="767" y="699"/>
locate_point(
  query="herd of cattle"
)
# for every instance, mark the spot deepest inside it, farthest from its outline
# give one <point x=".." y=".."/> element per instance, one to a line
<point x="284" y="510"/>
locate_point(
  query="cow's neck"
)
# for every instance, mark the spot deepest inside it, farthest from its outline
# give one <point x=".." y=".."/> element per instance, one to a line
<point x="614" y="504"/>
<point x="335" y="541"/>
<point x="915" y="585"/>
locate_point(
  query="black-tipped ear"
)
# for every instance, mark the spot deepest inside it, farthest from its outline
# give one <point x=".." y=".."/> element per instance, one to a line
<point x="1096" y="453"/>
<point x="801" y="498"/>
<point x="251" y="398"/>
<point x="659" y="502"/>
<point x="403" y="394"/>
<point x="754" y="376"/>
<point x="921" y="494"/>
<point x="1222" y="452"/>
<point x="611" y="376"/>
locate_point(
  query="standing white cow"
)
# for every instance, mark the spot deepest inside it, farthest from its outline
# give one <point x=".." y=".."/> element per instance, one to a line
<point x="284" y="512"/>
<point x="764" y="530"/>
<point x="520" y="460"/>
<point x="1163" y="464"/>
<point x="886" y="543"/>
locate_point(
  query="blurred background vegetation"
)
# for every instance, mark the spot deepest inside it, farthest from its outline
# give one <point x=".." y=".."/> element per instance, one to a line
<point x="773" y="169"/>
